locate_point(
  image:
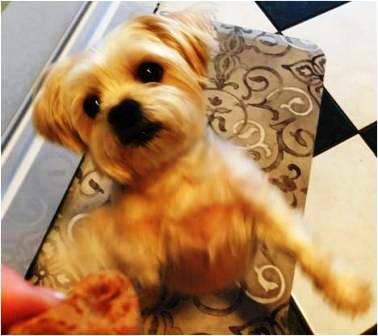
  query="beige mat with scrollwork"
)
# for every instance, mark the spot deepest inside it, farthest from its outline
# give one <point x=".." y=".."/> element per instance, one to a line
<point x="263" y="94"/>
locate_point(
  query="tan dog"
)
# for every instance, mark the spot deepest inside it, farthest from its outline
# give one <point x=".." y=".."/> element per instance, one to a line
<point x="187" y="218"/>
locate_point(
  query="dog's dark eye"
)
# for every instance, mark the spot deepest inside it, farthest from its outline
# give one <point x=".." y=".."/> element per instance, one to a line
<point x="91" y="106"/>
<point x="150" y="72"/>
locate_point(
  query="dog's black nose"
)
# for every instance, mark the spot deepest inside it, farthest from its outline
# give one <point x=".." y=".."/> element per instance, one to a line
<point x="130" y="125"/>
<point x="125" y="115"/>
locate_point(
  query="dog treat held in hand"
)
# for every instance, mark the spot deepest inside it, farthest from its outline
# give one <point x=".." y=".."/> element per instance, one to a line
<point x="104" y="303"/>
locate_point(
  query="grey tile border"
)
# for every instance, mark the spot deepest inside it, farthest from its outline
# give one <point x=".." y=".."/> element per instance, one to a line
<point x="30" y="33"/>
<point x="14" y="120"/>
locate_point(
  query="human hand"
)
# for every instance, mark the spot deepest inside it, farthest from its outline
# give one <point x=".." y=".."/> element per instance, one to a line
<point x="20" y="300"/>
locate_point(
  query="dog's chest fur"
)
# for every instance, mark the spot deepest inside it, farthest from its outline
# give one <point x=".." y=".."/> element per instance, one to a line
<point x="191" y="218"/>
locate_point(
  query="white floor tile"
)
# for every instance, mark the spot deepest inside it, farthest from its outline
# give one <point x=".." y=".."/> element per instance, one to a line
<point x="341" y="213"/>
<point x="347" y="35"/>
<point x="239" y="13"/>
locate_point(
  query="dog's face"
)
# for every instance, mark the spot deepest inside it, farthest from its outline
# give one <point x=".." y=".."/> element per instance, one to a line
<point x="136" y="103"/>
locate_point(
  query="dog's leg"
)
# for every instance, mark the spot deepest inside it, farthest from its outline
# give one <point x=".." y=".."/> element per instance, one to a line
<point x="86" y="250"/>
<point x="102" y="243"/>
<point x="284" y="227"/>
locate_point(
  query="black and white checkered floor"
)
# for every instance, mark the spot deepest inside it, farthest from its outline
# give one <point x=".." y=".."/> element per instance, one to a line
<point x="343" y="175"/>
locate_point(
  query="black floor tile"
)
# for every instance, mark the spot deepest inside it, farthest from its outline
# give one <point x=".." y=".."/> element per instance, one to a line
<point x="296" y="323"/>
<point x="369" y="134"/>
<point x="371" y="331"/>
<point x="333" y="127"/>
<point x="285" y="14"/>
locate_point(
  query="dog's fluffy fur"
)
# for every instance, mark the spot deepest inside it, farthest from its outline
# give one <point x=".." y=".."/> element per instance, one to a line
<point x="194" y="203"/>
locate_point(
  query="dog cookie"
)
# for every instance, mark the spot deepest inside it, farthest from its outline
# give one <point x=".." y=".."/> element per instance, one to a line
<point x="104" y="303"/>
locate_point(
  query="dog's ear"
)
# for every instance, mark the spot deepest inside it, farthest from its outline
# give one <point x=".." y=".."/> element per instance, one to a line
<point x="50" y="114"/>
<point x="191" y="33"/>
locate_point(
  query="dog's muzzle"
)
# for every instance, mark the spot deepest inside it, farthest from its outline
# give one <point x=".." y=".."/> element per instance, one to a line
<point x="130" y="125"/>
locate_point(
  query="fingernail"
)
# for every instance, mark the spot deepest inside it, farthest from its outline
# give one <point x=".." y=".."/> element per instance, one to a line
<point x="50" y="293"/>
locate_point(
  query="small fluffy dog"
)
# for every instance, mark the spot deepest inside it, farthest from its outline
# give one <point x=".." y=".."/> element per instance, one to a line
<point x="194" y="203"/>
